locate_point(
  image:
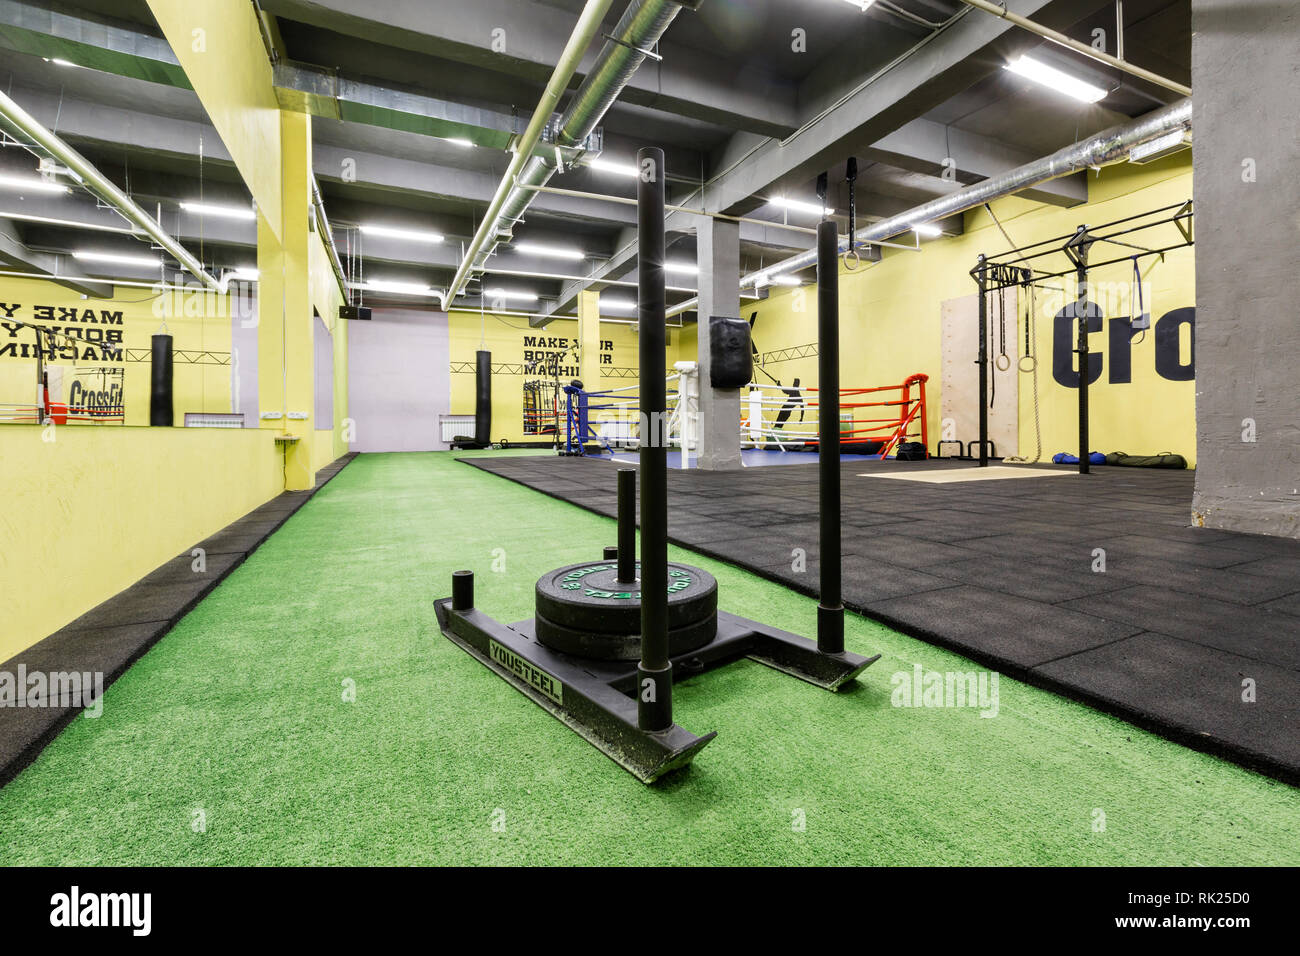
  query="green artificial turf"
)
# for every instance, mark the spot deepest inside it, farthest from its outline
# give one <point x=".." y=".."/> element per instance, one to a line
<point x="239" y="713"/>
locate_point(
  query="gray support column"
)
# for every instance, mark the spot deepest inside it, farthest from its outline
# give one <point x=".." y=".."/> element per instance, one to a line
<point x="1246" y="114"/>
<point x="718" y="249"/>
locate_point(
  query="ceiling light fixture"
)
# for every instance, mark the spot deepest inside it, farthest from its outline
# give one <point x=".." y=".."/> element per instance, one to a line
<point x="89" y="255"/>
<point x="927" y="229"/>
<point x="32" y="183"/>
<point x="798" y="205"/>
<point x="400" y="288"/>
<point x="612" y="166"/>
<point x="683" y="268"/>
<point x="623" y="305"/>
<point x="547" y="252"/>
<point x="393" y="232"/>
<point x="1055" y="79"/>
<point x="510" y="294"/>
<point x="861" y="4"/>
<point x="219" y="212"/>
<point x="460" y="141"/>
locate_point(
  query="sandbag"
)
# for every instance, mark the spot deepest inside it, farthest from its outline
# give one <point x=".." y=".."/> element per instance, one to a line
<point x="1165" y="459"/>
<point x="910" y="451"/>
<point x="483" y="399"/>
<point x="161" y="405"/>
<point x="1065" y="458"/>
<point x="731" y="359"/>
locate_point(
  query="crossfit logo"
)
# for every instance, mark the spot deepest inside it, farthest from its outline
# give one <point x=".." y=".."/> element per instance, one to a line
<point x="55" y="689"/>
<point x="74" y="909"/>
<point x="922" y="688"/>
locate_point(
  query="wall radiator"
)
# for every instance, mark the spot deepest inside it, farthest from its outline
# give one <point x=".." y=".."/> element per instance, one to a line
<point x="453" y="425"/>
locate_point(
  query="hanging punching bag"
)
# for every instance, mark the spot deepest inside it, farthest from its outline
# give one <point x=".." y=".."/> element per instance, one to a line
<point x="160" y="383"/>
<point x="483" y="399"/>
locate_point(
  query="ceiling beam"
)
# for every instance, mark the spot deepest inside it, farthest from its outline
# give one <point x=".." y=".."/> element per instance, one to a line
<point x="525" y="40"/>
<point x="16" y="256"/>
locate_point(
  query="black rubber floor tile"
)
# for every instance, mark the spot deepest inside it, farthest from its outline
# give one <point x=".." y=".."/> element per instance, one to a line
<point x="1199" y="555"/>
<point x="1275" y="567"/>
<point x="1049" y="585"/>
<point x="182" y="571"/>
<point x="1196" y="690"/>
<point x="1244" y="631"/>
<point x="906" y="551"/>
<point x="1286" y="605"/>
<point x="1223" y="584"/>
<point x="1000" y="627"/>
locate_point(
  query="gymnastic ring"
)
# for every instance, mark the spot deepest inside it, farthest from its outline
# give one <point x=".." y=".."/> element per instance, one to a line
<point x="856" y="260"/>
<point x="1033" y="363"/>
<point x="997" y="362"/>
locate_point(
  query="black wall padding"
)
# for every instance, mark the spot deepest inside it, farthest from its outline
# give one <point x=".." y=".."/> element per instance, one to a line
<point x="160" y="383"/>
<point x="483" y="399"/>
<point x="731" y="360"/>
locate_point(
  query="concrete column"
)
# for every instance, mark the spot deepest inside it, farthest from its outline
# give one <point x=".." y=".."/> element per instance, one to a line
<point x="589" y="339"/>
<point x="285" y="335"/>
<point x="1246" y="114"/>
<point x="718" y="250"/>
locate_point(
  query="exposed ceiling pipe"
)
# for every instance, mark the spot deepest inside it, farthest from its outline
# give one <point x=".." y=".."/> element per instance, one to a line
<point x="584" y="31"/>
<point x="1107" y="147"/>
<point x="638" y="30"/>
<point x="23" y="124"/>
<point x="1000" y="10"/>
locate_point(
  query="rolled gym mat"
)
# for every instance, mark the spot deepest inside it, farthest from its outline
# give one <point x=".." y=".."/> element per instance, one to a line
<point x="161" y="410"/>
<point x="483" y="398"/>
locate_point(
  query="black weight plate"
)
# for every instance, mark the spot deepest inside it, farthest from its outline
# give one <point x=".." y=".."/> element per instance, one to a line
<point x="589" y="597"/>
<point x="621" y="647"/>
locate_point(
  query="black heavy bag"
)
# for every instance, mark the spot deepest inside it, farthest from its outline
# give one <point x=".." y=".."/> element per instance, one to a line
<point x="731" y="360"/>
<point x="160" y="382"/>
<point x="483" y="399"/>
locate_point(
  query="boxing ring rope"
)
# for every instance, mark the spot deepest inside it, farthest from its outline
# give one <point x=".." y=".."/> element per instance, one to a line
<point x="611" y="417"/>
<point x="764" y="416"/>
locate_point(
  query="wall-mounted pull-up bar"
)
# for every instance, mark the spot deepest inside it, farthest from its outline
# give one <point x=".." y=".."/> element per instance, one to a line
<point x="1011" y="270"/>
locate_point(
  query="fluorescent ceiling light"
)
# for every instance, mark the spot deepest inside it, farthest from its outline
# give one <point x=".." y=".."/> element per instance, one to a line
<point x="861" y="4"/>
<point x="510" y="294"/>
<point x="219" y="212"/>
<point x="548" y="252"/>
<point x="394" y="232"/>
<point x="58" y="62"/>
<point x="1048" y="76"/>
<point x="401" y="288"/>
<point x="244" y="274"/>
<point x="684" y="268"/>
<point x="32" y="183"/>
<point x="623" y="305"/>
<point x="74" y="223"/>
<point x="927" y="229"/>
<point x="460" y="141"/>
<point x="763" y="280"/>
<point x="611" y="166"/>
<point x="88" y="255"/>
<point x="800" y="206"/>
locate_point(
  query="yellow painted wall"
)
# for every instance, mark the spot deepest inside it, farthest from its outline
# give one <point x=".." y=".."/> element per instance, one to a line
<point x="890" y="317"/>
<point x="198" y="322"/>
<point x="326" y="297"/>
<point x="508" y="339"/>
<point x="89" y="511"/>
